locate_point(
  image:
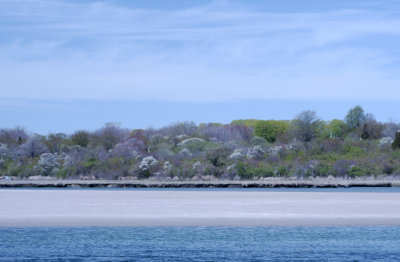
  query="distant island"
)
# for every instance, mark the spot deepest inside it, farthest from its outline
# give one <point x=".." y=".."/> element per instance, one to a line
<point x="306" y="147"/>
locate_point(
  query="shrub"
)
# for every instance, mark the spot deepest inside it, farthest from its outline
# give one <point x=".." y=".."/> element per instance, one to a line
<point x="255" y="152"/>
<point x="270" y="129"/>
<point x="217" y="156"/>
<point x="91" y="163"/>
<point x="47" y="163"/>
<point x="335" y="129"/>
<point x="282" y="171"/>
<point x="396" y="142"/>
<point x="356" y="171"/>
<point x="388" y="168"/>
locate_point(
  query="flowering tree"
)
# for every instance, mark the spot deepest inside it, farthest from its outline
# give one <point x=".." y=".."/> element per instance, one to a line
<point x="34" y="147"/>
<point x="47" y="163"/>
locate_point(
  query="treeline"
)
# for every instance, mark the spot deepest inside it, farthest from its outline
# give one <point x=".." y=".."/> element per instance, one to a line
<point x="306" y="146"/>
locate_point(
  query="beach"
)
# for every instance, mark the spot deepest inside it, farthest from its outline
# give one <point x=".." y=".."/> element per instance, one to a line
<point x="76" y="208"/>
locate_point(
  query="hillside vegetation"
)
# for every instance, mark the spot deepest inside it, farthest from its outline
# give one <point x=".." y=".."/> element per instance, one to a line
<point x="303" y="147"/>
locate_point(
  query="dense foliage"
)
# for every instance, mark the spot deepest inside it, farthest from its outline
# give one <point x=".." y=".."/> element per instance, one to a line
<point x="306" y="146"/>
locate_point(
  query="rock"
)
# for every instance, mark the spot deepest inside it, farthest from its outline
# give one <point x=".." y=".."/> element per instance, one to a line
<point x="196" y="178"/>
<point x="206" y="178"/>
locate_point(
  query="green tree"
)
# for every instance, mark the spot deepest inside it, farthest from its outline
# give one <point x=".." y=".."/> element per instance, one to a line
<point x="355" y="117"/>
<point x="81" y="138"/>
<point x="270" y="129"/>
<point x="245" y="122"/>
<point x="336" y="129"/>
<point x="396" y="142"/>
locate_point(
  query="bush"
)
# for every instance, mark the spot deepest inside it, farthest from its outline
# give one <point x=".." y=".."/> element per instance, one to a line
<point x="91" y="163"/>
<point x="246" y="171"/>
<point x="356" y="171"/>
<point x="388" y="168"/>
<point x="282" y="171"/>
<point x="218" y="156"/>
<point x="396" y="142"/>
<point x="270" y="129"/>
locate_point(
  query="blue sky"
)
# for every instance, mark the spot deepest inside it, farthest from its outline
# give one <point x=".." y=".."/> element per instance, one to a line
<point x="67" y="65"/>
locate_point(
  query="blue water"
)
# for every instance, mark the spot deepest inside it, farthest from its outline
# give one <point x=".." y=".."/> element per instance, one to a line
<point x="201" y="244"/>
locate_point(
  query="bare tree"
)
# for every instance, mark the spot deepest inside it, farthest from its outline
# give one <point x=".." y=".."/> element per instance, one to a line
<point x="225" y="133"/>
<point x="55" y="141"/>
<point x="109" y="135"/>
<point x="187" y="128"/>
<point x="390" y="129"/>
<point x="306" y="125"/>
<point x="13" y="136"/>
<point x="130" y="149"/>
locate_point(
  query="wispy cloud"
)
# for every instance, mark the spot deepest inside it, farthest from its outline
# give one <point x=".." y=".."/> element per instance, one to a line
<point x="219" y="51"/>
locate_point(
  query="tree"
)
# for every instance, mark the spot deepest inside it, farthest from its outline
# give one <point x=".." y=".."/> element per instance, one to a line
<point x="225" y="133"/>
<point x="396" y="142"/>
<point x="270" y="129"/>
<point x="47" y="163"/>
<point x="355" y="117"/>
<point x="217" y="156"/>
<point x="245" y="122"/>
<point x="81" y="138"/>
<point x="13" y="136"/>
<point x="336" y="129"/>
<point x="187" y="128"/>
<point x="54" y="141"/>
<point x="306" y="125"/>
<point x="33" y="147"/>
<point x="371" y="129"/>
<point x="109" y="135"/>
<point x="391" y="129"/>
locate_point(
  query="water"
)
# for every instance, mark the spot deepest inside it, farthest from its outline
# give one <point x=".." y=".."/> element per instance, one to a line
<point x="201" y="244"/>
<point x="280" y="189"/>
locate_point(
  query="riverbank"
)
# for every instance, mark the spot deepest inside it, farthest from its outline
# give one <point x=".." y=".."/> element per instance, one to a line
<point x="267" y="183"/>
<point x="41" y="208"/>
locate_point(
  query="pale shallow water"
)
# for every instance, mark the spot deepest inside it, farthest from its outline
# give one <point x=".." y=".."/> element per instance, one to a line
<point x="201" y="244"/>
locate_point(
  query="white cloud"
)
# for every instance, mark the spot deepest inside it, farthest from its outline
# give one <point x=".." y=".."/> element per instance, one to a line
<point x="56" y="49"/>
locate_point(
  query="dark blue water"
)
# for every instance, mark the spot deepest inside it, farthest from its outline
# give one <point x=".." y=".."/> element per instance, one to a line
<point x="201" y="244"/>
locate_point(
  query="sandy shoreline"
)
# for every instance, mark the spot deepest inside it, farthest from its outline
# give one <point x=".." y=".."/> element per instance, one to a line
<point x="195" y="208"/>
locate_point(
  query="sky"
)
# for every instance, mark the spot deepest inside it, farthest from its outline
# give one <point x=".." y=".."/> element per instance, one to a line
<point x="69" y="65"/>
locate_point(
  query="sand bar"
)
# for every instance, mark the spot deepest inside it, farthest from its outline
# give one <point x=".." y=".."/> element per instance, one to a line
<point x="195" y="208"/>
